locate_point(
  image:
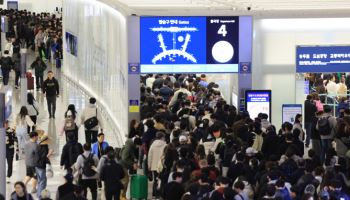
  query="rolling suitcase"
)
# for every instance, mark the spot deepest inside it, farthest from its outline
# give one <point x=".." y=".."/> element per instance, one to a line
<point x="30" y="81"/>
<point x="138" y="187"/>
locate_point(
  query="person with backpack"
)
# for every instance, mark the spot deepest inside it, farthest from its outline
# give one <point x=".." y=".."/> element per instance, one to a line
<point x="310" y="110"/>
<point x="111" y="174"/>
<point x="87" y="166"/>
<point x="326" y="126"/>
<point x="70" y="152"/>
<point x="39" y="67"/>
<point x="70" y="123"/>
<point x="67" y="188"/>
<point x="6" y="66"/>
<point x="92" y="120"/>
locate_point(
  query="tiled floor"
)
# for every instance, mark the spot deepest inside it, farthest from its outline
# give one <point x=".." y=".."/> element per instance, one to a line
<point x="69" y="95"/>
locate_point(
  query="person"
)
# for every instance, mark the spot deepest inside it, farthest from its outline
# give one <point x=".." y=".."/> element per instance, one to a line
<point x="99" y="148"/>
<point x="44" y="154"/>
<point x="17" y="69"/>
<point x="310" y="110"/>
<point x="154" y="155"/>
<point x="6" y="66"/>
<point x="20" y="192"/>
<point x="78" y="194"/>
<point x="128" y="159"/>
<point x="70" y="152"/>
<point x="39" y="67"/>
<point x="182" y="90"/>
<point x="33" y="109"/>
<point x="67" y="188"/>
<point x="299" y="126"/>
<point x="111" y="174"/>
<point x="11" y="147"/>
<point x="52" y="91"/>
<point x="45" y="195"/>
<point x="134" y="128"/>
<point x="88" y="114"/>
<point x="174" y="189"/>
<point x="326" y="126"/>
<point x="87" y="166"/>
<point x="31" y="158"/>
<point x="22" y="121"/>
<point x="239" y="189"/>
<point x="70" y="124"/>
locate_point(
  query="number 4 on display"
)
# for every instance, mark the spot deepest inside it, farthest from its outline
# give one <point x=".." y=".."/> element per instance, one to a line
<point x="222" y="30"/>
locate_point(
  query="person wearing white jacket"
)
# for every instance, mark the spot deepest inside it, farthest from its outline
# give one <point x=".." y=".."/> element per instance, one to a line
<point x="154" y="156"/>
<point x="32" y="107"/>
<point x="89" y="112"/>
<point x="22" y="121"/>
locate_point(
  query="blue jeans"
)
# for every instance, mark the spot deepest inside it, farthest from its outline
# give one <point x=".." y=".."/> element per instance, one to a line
<point x="42" y="180"/>
<point x="308" y="127"/>
<point x="325" y="145"/>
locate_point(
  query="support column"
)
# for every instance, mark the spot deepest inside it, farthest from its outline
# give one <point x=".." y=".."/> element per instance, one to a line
<point x="24" y="85"/>
<point x="245" y="58"/>
<point x="134" y="67"/>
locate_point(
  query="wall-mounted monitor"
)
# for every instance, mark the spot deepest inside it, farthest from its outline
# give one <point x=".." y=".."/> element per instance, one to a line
<point x="323" y="58"/>
<point x="72" y="44"/>
<point x="258" y="101"/>
<point x="189" y="44"/>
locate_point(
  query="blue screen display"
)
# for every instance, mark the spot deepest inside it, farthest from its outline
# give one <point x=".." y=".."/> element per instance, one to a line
<point x="323" y="59"/>
<point x="258" y="102"/>
<point x="185" y="44"/>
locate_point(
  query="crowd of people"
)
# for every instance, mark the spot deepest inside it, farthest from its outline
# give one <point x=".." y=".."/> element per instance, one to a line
<point x="41" y="32"/>
<point x="189" y="142"/>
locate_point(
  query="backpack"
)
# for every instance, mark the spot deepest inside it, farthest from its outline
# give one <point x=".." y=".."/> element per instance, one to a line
<point x="324" y="128"/>
<point x="88" y="164"/>
<point x="69" y="124"/>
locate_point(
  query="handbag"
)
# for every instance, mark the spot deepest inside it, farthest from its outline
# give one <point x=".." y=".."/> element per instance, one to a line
<point x="91" y="122"/>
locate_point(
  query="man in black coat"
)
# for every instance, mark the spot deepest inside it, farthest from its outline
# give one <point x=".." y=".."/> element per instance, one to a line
<point x="269" y="145"/>
<point x="52" y="91"/>
<point x="66" y="189"/>
<point x="310" y="110"/>
<point x="175" y="189"/>
<point x="111" y="174"/>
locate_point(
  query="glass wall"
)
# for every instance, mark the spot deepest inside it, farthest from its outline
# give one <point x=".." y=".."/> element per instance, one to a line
<point x="100" y="65"/>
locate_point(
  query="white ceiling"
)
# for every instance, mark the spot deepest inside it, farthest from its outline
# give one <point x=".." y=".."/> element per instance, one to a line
<point x="239" y="7"/>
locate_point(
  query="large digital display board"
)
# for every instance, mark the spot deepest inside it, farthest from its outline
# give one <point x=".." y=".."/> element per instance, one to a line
<point x="189" y="44"/>
<point x="258" y="101"/>
<point x="323" y="59"/>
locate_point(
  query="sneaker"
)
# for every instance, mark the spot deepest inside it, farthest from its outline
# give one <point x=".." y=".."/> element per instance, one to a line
<point x="8" y="180"/>
<point x="33" y="191"/>
<point x="16" y="87"/>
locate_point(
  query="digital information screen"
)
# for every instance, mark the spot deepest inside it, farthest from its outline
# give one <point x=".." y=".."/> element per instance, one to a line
<point x="322" y="59"/>
<point x="189" y="44"/>
<point x="72" y="44"/>
<point x="289" y="111"/>
<point x="258" y="101"/>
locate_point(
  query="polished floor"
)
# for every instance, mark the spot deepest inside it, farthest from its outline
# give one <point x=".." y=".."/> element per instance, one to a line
<point x="70" y="94"/>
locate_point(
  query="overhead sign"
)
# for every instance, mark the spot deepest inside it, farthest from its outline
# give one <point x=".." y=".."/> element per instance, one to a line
<point x="289" y="111"/>
<point x="258" y="101"/>
<point x="189" y="44"/>
<point x="323" y="59"/>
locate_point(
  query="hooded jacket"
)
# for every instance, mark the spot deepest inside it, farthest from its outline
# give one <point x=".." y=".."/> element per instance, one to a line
<point x="155" y="153"/>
